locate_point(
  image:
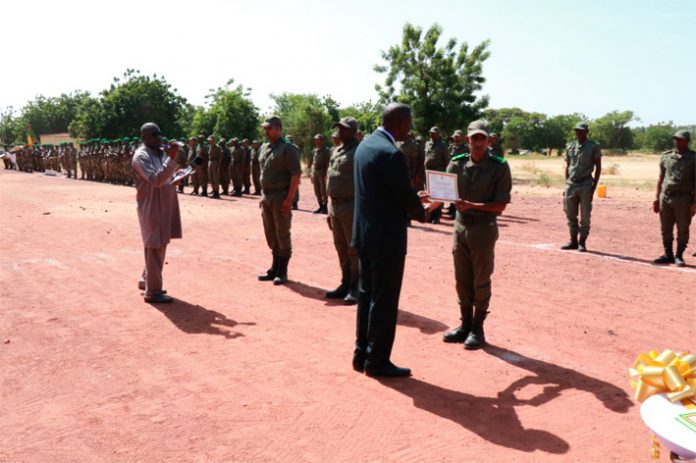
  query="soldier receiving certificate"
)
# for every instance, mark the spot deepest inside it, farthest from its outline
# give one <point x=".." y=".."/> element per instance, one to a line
<point x="442" y="186"/>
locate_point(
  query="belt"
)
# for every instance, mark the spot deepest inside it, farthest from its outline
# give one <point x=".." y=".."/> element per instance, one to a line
<point x="341" y="200"/>
<point x="477" y="219"/>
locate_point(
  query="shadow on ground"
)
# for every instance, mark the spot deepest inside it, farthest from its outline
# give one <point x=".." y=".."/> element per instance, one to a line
<point x="194" y="319"/>
<point x="494" y="418"/>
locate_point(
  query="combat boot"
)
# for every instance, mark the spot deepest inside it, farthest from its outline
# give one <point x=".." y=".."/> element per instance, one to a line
<point x="679" y="258"/>
<point x="572" y="244"/>
<point x="282" y="275"/>
<point x="320" y="209"/>
<point x="342" y="290"/>
<point x="668" y="256"/>
<point x="460" y="333"/>
<point x="582" y="247"/>
<point x="271" y="272"/>
<point x="477" y="338"/>
<point x="324" y="209"/>
<point x="352" y="296"/>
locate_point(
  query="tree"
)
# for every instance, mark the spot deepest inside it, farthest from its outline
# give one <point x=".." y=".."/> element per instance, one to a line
<point x="230" y="113"/>
<point x="305" y="115"/>
<point x="558" y="130"/>
<point x="127" y="104"/>
<point x="611" y="130"/>
<point x="439" y="83"/>
<point x="368" y="115"/>
<point x="11" y="130"/>
<point x="53" y="115"/>
<point x="658" y="137"/>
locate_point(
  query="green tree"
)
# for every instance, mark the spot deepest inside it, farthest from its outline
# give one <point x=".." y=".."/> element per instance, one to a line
<point x="611" y="131"/>
<point x="11" y="130"/>
<point x="368" y="115"/>
<point x="128" y="103"/>
<point x="440" y="83"/>
<point x="558" y="131"/>
<point x="230" y="113"/>
<point x="305" y="115"/>
<point x="658" y="137"/>
<point x="53" y="115"/>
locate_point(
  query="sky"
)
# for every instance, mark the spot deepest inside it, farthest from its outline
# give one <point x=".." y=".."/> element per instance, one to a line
<point x="549" y="56"/>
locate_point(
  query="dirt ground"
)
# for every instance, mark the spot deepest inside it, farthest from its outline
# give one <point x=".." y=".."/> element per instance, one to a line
<point x="240" y="371"/>
<point x="631" y="176"/>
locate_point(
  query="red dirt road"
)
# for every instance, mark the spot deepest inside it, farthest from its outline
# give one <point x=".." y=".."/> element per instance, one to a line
<point x="241" y="371"/>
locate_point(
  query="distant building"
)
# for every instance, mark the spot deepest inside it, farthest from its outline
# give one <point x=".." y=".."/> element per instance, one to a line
<point x="57" y="139"/>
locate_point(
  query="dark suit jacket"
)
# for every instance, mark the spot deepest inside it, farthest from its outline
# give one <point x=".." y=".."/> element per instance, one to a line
<point x="384" y="199"/>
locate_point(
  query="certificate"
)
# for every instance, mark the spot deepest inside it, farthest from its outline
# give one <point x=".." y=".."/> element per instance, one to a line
<point x="181" y="175"/>
<point x="442" y="186"/>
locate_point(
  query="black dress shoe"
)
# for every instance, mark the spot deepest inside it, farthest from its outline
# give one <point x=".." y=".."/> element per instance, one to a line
<point x="159" y="298"/>
<point x="387" y="369"/>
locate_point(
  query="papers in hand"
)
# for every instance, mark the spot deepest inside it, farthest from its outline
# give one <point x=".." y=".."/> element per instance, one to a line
<point x="182" y="174"/>
<point x="442" y="186"/>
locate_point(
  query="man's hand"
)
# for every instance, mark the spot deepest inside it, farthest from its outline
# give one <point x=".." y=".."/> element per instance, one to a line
<point x="463" y="205"/>
<point x="285" y="207"/>
<point x="328" y="220"/>
<point x="693" y="209"/>
<point x="197" y="161"/>
<point x="172" y="149"/>
<point x="656" y="206"/>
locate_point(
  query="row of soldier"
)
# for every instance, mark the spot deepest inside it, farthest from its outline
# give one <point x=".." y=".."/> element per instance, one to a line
<point x="231" y="163"/>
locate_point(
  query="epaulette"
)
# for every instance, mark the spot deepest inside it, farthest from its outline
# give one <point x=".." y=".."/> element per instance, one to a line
<point x="460" y="156"/>
<point x="499" y="160"/>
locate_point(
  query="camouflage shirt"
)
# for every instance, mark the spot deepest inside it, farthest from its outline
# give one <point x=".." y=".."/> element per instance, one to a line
<point x="340" y="174"/>
<point x="279" y="162"/>
<point x="436" y="155"/>
<point x="678" y="172"/>
<point x="581" y="161"/>
<point x="489" y="181"/>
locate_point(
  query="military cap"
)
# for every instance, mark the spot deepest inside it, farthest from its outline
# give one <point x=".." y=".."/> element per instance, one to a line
<point x="458" y="132"/>
<point x="318" y="136"/>
<point x="582" y="126"/>
<point x="493" y="134"/>
<point x="683" y="134"/>
<point x="254" y="141"/>
<point x="435" y="129"/>
<point x="246" y="140"/>
<point x="273" y="121"/>
<point x="479" y="126"/>
<point x="334" y="135"/>
<point x="201" y="138"/>
<point x="211" y="137"/>
<point x="347" y="122"/>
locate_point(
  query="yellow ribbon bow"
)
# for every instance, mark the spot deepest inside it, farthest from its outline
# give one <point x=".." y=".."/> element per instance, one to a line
<point x="669" y="373"/>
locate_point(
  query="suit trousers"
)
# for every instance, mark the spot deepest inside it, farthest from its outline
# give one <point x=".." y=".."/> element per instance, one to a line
<point x="152" y="273"/>
<point x="378" y="305"/>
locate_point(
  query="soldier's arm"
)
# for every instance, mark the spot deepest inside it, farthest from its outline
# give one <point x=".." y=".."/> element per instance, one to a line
<point x="656" y="203"/>
<point x="598" y="167"/>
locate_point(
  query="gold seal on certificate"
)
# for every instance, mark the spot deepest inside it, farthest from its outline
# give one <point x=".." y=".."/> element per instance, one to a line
<point x="442" y="186"/>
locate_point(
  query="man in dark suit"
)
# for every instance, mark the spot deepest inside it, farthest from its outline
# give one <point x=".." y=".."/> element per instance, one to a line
<point x="384" y="204"/>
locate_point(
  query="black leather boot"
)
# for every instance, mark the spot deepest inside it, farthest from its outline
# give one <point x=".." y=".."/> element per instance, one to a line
<point x="342" y="290"/>
<point x="679" y="258"/>
<point x="352" y="296"/>
<point x="271" y="272"/>
<point x="460" y="333"/>
<point x="668" y="256"/>
<point x="477" y="338"/>
<point x="582" y="247"/>
<point x="572" y="244"/>
<point x="282" y="275"/>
